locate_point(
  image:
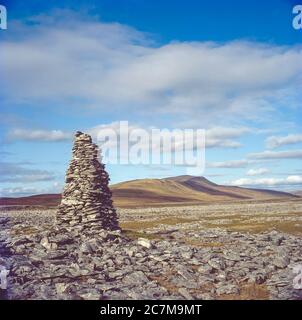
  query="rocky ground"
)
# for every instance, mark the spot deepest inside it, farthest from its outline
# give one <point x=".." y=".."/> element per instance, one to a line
<point x="167" y="253"/>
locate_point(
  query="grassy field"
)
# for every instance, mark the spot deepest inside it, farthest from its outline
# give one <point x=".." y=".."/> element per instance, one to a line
<point x="285" y="216"/>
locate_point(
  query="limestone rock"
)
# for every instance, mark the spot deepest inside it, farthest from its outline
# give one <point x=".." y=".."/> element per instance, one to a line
<point x="144" y="242"/>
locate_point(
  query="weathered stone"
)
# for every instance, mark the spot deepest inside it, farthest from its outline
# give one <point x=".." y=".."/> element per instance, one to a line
<point x="204" y="269"/>
<point x="135" y="278"/>
<point x="258" y="278"/>
<point x="91" y="295"/>
<point x="60" y="287"/>
<point x="185" y="293"/>
<point x="227" y="289"/>
<point x="281" y="262"/>
<point x="217" y="264"/>
<point x="144" y="242"/>
<point x="47" y="245"/>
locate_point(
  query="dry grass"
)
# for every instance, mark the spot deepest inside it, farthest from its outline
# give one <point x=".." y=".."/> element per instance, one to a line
<point x="28" y="230"/>
<point x="243" y="217"/>
<point x="204" y="244"/>
<point x="252" y="227"/>
<point x="248" y="292"/>
<point x="134" y="235"/>
<point x="164" y="281"/>
<point x="143" y="224"/>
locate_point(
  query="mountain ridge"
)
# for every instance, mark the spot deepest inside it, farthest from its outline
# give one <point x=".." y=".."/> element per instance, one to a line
<point x="166" y="191"/>
<point x="297" y="193"/>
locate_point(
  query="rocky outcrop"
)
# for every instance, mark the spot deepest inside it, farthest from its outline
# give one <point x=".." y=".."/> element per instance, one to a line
<point x="50" y="263"/>
<point x="86" y="200"/>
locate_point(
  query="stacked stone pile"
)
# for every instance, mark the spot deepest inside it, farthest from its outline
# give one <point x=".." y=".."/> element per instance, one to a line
<point x="86" y="200"/>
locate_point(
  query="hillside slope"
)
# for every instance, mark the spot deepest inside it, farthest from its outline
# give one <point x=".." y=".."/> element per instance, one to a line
<point x="298" y="193"/>
<point x="184" y="189"/>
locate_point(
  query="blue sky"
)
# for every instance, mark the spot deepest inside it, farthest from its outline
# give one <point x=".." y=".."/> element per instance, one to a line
<point x="233" y="68"/>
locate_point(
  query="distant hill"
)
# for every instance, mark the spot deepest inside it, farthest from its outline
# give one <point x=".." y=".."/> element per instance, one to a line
<point x="167" y="191"/>
<point x="184" y="189"/>
<point x="47" y="200"/>
<point x="298" y="193"/>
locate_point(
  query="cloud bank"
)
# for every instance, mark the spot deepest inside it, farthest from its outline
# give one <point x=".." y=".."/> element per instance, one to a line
<point x="271" y="155"/>
<point x="216" y="137"/>
<point x="101" y="65"/>
<point x="16" y="172"/>
<point x="293" y="180"/>
<point x="275" y="142"/>
<point x="18" y="134"/>
<point x="258" y="172"/>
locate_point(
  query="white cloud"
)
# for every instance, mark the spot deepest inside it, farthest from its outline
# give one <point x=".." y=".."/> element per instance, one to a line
<point x="232" y="164"/>
<point x="38" y="135"/>
<point x="221" y="143"/>
<point x="222" y="137"/>
<point x="216" y="137"/>
<point x="270" y="155"/>
<point x="19" y="191"/>
<point x="258" y="172"/>
<point x="16" y="172"/>
<point x="274" y="142"/>
<point x="268" y="182"/>
<point x="227" y="132"/>
<point x="112" y="66"/>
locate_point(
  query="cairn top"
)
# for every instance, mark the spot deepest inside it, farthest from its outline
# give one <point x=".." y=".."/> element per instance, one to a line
<point x="80" y="136"/>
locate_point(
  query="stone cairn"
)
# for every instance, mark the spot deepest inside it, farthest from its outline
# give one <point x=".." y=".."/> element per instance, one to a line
<point x="86" y="199"/>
